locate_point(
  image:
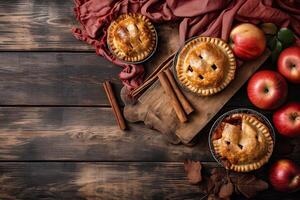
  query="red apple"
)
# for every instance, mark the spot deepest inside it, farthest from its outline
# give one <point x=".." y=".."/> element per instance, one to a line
<point x="247" y="41"/>
<point x="287" y="120"/>
<point x="267" y="89"/>
<point x="285" y="176"/>
<point x="289" y="64"/>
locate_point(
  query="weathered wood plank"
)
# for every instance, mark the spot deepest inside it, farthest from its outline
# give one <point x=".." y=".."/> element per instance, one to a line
<point x="55" y="78"/>
<point x="39" y="78"/>
<point x="126" y="180"/>
<point x="91" y="134"/>
<point x="46" y="25"/>
<point x="94" y="181"/>
<point x="58" y="79"/>
<point x="38" y="25"/>
<point x="84" y="133"/>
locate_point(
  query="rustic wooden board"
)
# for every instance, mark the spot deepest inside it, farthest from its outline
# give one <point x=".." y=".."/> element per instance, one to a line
<point x="205" y="107"/>
<point x="38" y="25"/>
<point x="104" y="180"/>
<point x="83" y="133"/>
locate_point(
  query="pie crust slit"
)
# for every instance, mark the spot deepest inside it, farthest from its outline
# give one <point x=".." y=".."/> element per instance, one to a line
<point x="132" y="37"/>
<point x="205" y="65"/>
<point x="243" y="142"/>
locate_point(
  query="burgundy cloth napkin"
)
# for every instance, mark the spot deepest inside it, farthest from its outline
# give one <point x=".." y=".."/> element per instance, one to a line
<point x="197" y="17"/>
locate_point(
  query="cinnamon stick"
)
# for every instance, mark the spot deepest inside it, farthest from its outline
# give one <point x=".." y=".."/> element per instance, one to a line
<point x="152" y="77"/>
<point x="113" y="102"/>
<point x="174" y="101"/>
<point x="149" y="81"/>
<point x="167" y="61"/>
<point x="184" y="102"/>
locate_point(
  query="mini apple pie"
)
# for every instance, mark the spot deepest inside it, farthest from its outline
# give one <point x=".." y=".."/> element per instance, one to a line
<point x="242" y="142"/>
<point x="131" y="37"/>
<point x="205" y="65"/>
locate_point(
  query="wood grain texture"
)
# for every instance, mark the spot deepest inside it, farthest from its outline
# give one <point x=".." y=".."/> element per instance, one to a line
<point x="45" y="78"/>
<point x="95" y="181"/>
<point x="156" y="99"/>
<point x="86" y="134"/>
<point x="55" y="78"/>
<point x="41" y="78"/>
<point x="105" y="180"/>
<point x="47" y="145"/>
<point x="91" y="134"/>
<point x="38" y="25"/>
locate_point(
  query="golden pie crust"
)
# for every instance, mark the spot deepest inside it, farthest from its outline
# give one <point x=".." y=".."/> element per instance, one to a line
<point x="131" y="37"/>
<point x="243" y="142"/>
<point x="205" y="65"/>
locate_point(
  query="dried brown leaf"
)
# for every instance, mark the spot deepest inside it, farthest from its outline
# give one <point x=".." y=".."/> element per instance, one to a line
<point x="193" y="170"/>
<point x="216" y="197"/>
<point x="222" y="184"/>
<point x="217" y="187"/>
<point x="217" y="174"/>
<point x="214" y="170"/>
<point x="226" y="190"/>
<point x="249" y="185"/>
<point x="213" y="197"/>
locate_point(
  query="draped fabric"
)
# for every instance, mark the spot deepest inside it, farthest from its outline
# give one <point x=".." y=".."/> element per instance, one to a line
<point x="196" y="17"/>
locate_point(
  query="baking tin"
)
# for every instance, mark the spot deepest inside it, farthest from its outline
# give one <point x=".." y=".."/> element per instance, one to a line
<point x="263" y="118"/>
<point x="137" y="62"/>
<point x="175" y="70"/>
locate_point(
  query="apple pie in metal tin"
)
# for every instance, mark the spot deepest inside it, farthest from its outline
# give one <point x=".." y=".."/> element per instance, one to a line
<point x="132" y="38"/>
<point x="205" y="65"/>
<point x="243" y="142"/>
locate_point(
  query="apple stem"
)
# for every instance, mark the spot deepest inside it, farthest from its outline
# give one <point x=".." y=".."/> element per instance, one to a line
<point x="266" y="90"/>
<point x="292" y="66"/>
<point x="294" y="116"/>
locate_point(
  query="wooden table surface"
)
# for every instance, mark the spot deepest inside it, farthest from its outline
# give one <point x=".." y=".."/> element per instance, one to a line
<point x="59" y="139"/>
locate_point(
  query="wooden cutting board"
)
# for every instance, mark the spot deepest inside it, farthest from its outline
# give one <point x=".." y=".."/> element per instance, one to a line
<point x="155" y="99"/>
